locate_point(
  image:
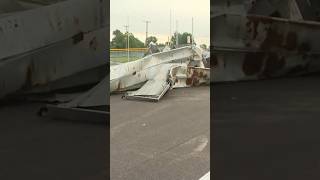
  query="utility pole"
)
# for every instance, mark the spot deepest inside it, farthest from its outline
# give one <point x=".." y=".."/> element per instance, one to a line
<point x="147" y="23"/>
<point x="170" y="28"/>
<point x="192" y="33"/>
<point x="127" y="30"/>
<point x="177" y="35"/>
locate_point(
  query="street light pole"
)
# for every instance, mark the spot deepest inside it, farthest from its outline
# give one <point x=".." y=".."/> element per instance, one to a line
<point x="127" y="30"/>
<point x="147" y="23"/>
<point x="192" y="34"/>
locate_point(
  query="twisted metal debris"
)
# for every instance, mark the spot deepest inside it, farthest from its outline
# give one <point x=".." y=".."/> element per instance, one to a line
<point x="155" y="74"/>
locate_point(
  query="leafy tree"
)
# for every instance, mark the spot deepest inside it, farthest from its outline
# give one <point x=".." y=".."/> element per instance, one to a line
<point x="134" y="42"/>
<point x="120" y="40"/>
<point x="182" y="38"/>
<point x="151" y="39"/>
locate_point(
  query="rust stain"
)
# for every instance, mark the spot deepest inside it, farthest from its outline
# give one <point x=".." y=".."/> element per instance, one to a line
<point x="119" y="86"/>
<point x="253" y="63"/>
<point x="273" y="39"/>
<point x="273" y="64"/>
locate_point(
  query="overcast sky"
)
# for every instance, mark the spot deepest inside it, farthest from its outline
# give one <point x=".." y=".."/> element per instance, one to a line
<point x="158" y="12"/>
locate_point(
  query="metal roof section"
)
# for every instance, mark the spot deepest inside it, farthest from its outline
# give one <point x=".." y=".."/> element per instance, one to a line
<point x="156" y="73"/>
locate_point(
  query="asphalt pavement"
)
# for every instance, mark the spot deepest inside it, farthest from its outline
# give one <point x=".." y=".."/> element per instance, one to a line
<point x="33" y="147"/>
<point x="167" y="140"/>
<point x="266" y="129"/>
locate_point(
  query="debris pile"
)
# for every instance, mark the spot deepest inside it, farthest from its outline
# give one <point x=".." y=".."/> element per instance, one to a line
<point x="152" y="76"/>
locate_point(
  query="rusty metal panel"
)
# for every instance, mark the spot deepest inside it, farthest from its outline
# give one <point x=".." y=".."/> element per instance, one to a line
<point x="189" y="76"/>
<point x="265" y="33"/>
<point x="28" y="30"/>
<point x="289" y="9"/>
<point x="244" y="65"/>
<point x="247" y="47"/>
<point x="54" y="63"/>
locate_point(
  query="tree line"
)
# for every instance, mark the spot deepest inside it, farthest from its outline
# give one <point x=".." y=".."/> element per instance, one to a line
<point x="120" y="40"/>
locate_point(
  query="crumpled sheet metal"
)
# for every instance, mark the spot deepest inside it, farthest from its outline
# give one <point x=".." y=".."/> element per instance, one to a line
<point x="170" y="76"/>
<point x="134" y="74"/>
<point x="154" y="88"/>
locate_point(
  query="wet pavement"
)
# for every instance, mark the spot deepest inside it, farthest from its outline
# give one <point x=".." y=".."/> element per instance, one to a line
<point x="165" y="140"/>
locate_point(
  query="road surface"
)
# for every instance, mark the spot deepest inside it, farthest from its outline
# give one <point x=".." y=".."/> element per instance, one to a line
<point x="33" y="147"/>
<point x="267" y="129"/>
<point x="165" y="140"/>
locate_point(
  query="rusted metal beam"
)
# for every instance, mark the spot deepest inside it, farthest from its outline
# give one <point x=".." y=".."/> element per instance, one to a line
<point x="247" y="47"/>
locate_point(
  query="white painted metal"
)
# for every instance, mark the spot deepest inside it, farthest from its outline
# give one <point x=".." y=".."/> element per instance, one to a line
<point x="206" y="176"/>
<point x="46" y="51"/>
<point x="155" y="74"/>
<point x="28" y="30"/>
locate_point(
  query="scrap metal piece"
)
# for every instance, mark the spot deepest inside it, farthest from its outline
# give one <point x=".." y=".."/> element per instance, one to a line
<point x="57" y="22"/>
<point x="91" y="106"/>
<point x="95" y="97"/>
<point x="189" y="76"/>
<point x="65" y="48"/>
<point x="154" y="88"/>
<point x="62" y="65"/>
<point x="248" y="47"/>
